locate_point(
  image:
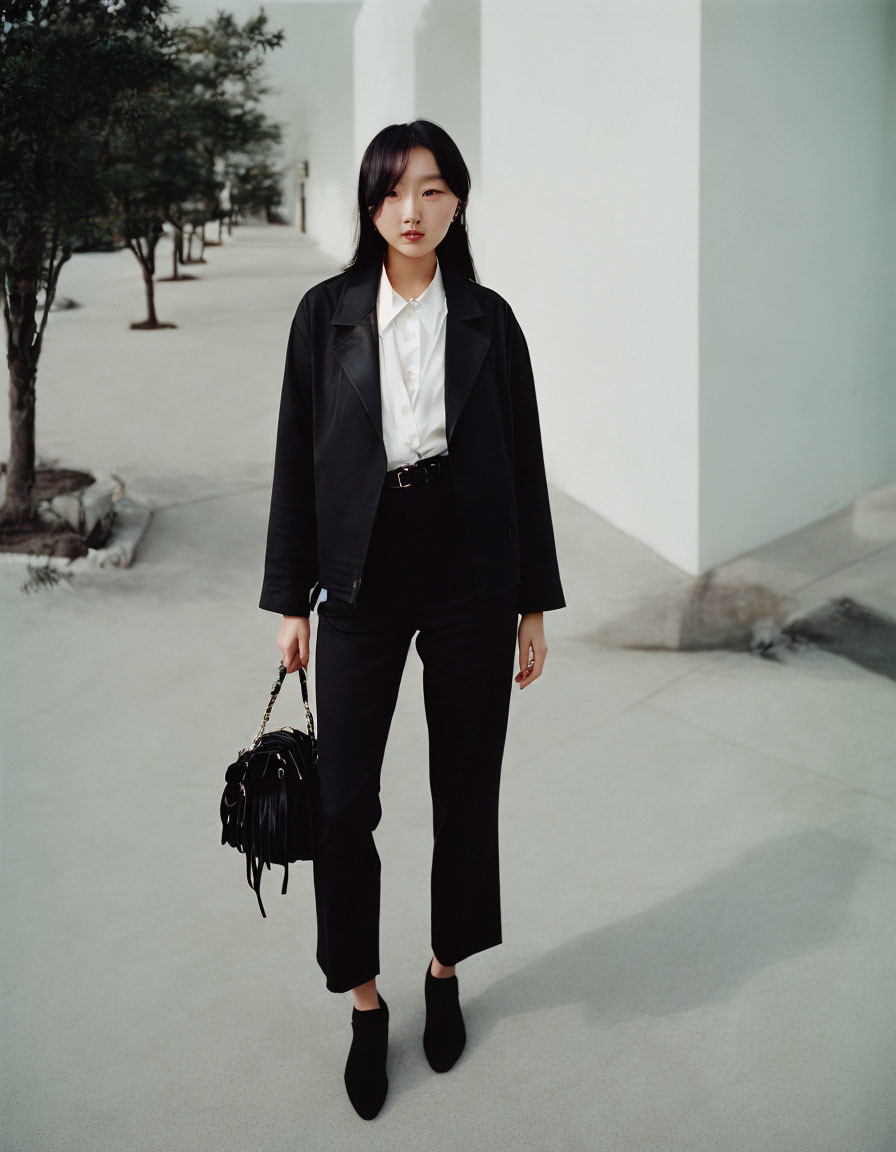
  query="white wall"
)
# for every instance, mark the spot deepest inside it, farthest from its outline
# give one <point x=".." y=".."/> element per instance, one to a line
<point x="315" y="74"/>
<point x="691" y="207"/>
<point x="590" y="182"/>
<point x="887" y="249"/>
<point x="418" y="59"/>
<point x="385" y="68"/>
<point x="797" y="389"/>
<point x="449" y="77"/>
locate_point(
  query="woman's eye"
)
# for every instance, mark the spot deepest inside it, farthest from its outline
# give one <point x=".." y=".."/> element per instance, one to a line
<point x="438" y="190"/>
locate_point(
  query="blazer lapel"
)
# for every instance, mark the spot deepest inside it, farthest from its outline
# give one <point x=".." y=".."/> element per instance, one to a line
<point x="465" y="346"/>
<point x="358" y="351"/>
<point x="359" y="354"/>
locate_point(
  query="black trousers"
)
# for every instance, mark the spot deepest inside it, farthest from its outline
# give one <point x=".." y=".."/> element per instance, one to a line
<point x="418" y="579"/>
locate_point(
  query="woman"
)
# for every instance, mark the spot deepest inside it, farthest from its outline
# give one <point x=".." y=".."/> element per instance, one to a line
<point x="409" y="497"/>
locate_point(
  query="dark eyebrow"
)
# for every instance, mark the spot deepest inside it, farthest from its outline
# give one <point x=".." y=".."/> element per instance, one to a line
<point x="431" y="176"/>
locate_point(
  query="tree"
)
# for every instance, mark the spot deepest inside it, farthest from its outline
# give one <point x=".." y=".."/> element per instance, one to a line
<point x="149" y="167"/>
<point x="220" y="85"/>
<point x="166" y="156"/>
<point x="66" y="64"/>
<point x="111" y="121"/>
<point x="254" y="181"/>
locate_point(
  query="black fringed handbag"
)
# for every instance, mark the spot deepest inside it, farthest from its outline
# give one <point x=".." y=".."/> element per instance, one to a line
<point x="270" y="801"/>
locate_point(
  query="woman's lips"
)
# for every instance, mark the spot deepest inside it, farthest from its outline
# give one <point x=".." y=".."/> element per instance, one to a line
<point x="412" y="235"/>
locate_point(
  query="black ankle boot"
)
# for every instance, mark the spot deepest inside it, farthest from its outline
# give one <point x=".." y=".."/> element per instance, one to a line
<point x="365" y="1070"/>
<point x="444" y="1035"/>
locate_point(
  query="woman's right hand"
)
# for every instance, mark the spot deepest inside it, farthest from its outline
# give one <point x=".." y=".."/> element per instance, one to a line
<point x="294" y="642"/>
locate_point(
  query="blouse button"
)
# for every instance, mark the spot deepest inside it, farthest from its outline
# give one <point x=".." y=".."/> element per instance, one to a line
<point x="405" y="409"/>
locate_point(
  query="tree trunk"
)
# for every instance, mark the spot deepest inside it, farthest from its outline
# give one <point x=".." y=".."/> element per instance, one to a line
<point x="147" y="261"/>
<point x="151" y="317"/>
<point x="220" y="229"/>
<point x="24" y="337"/>
<point x="21" y="327"/>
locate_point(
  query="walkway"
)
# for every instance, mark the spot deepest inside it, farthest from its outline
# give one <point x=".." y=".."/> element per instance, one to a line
<point x="698" y="851"/>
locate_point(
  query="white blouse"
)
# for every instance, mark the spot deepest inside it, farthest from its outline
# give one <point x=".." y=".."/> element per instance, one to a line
<point x="412" y="373"/>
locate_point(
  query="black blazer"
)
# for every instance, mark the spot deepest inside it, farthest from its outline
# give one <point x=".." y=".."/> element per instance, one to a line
<point x="330" y="458"/>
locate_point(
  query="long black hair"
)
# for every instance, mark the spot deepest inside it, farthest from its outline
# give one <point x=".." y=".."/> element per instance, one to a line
<point x="382" y="166"/>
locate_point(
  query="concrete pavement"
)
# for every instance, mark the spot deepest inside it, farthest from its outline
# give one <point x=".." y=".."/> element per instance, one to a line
<point x="698" y="852"/>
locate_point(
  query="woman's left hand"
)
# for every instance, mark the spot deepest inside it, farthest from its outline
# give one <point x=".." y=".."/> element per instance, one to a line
<point x="531" y="634"/>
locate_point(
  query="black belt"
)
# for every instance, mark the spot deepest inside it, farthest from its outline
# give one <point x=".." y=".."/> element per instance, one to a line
<point x="429" y="471"/>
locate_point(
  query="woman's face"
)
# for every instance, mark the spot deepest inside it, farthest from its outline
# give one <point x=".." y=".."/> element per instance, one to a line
<point x="421" y="201"/>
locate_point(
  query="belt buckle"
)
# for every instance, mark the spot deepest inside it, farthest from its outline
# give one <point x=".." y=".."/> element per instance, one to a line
<point x="404" y="468"/>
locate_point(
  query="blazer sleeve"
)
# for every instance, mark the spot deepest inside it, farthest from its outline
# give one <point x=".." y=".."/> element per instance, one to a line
<point x="291" y="563"/>
<point x="540" y="589"/>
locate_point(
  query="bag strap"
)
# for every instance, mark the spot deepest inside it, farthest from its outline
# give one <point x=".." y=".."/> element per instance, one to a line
<point x="275" y="689"/>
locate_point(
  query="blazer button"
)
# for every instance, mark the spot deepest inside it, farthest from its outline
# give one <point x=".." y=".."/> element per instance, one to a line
<point x="509" y="531"/>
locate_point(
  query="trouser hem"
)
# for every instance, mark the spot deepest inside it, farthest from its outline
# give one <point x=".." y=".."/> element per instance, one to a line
<point x="346" y="984"/>
<point x="457" y="956"/>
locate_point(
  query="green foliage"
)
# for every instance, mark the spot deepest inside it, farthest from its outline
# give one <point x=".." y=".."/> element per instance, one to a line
<point x="220" y="89"/>
<point x="114" y="122"/>
<point x="65" y="66"/>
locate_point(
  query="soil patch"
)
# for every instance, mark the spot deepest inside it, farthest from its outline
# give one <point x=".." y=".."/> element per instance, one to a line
<point x="46" y="539"/>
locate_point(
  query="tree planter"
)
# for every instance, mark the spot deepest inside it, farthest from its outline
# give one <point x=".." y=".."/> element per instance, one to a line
<point x="82" y="520"/>
<point x="87" y="511"/>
